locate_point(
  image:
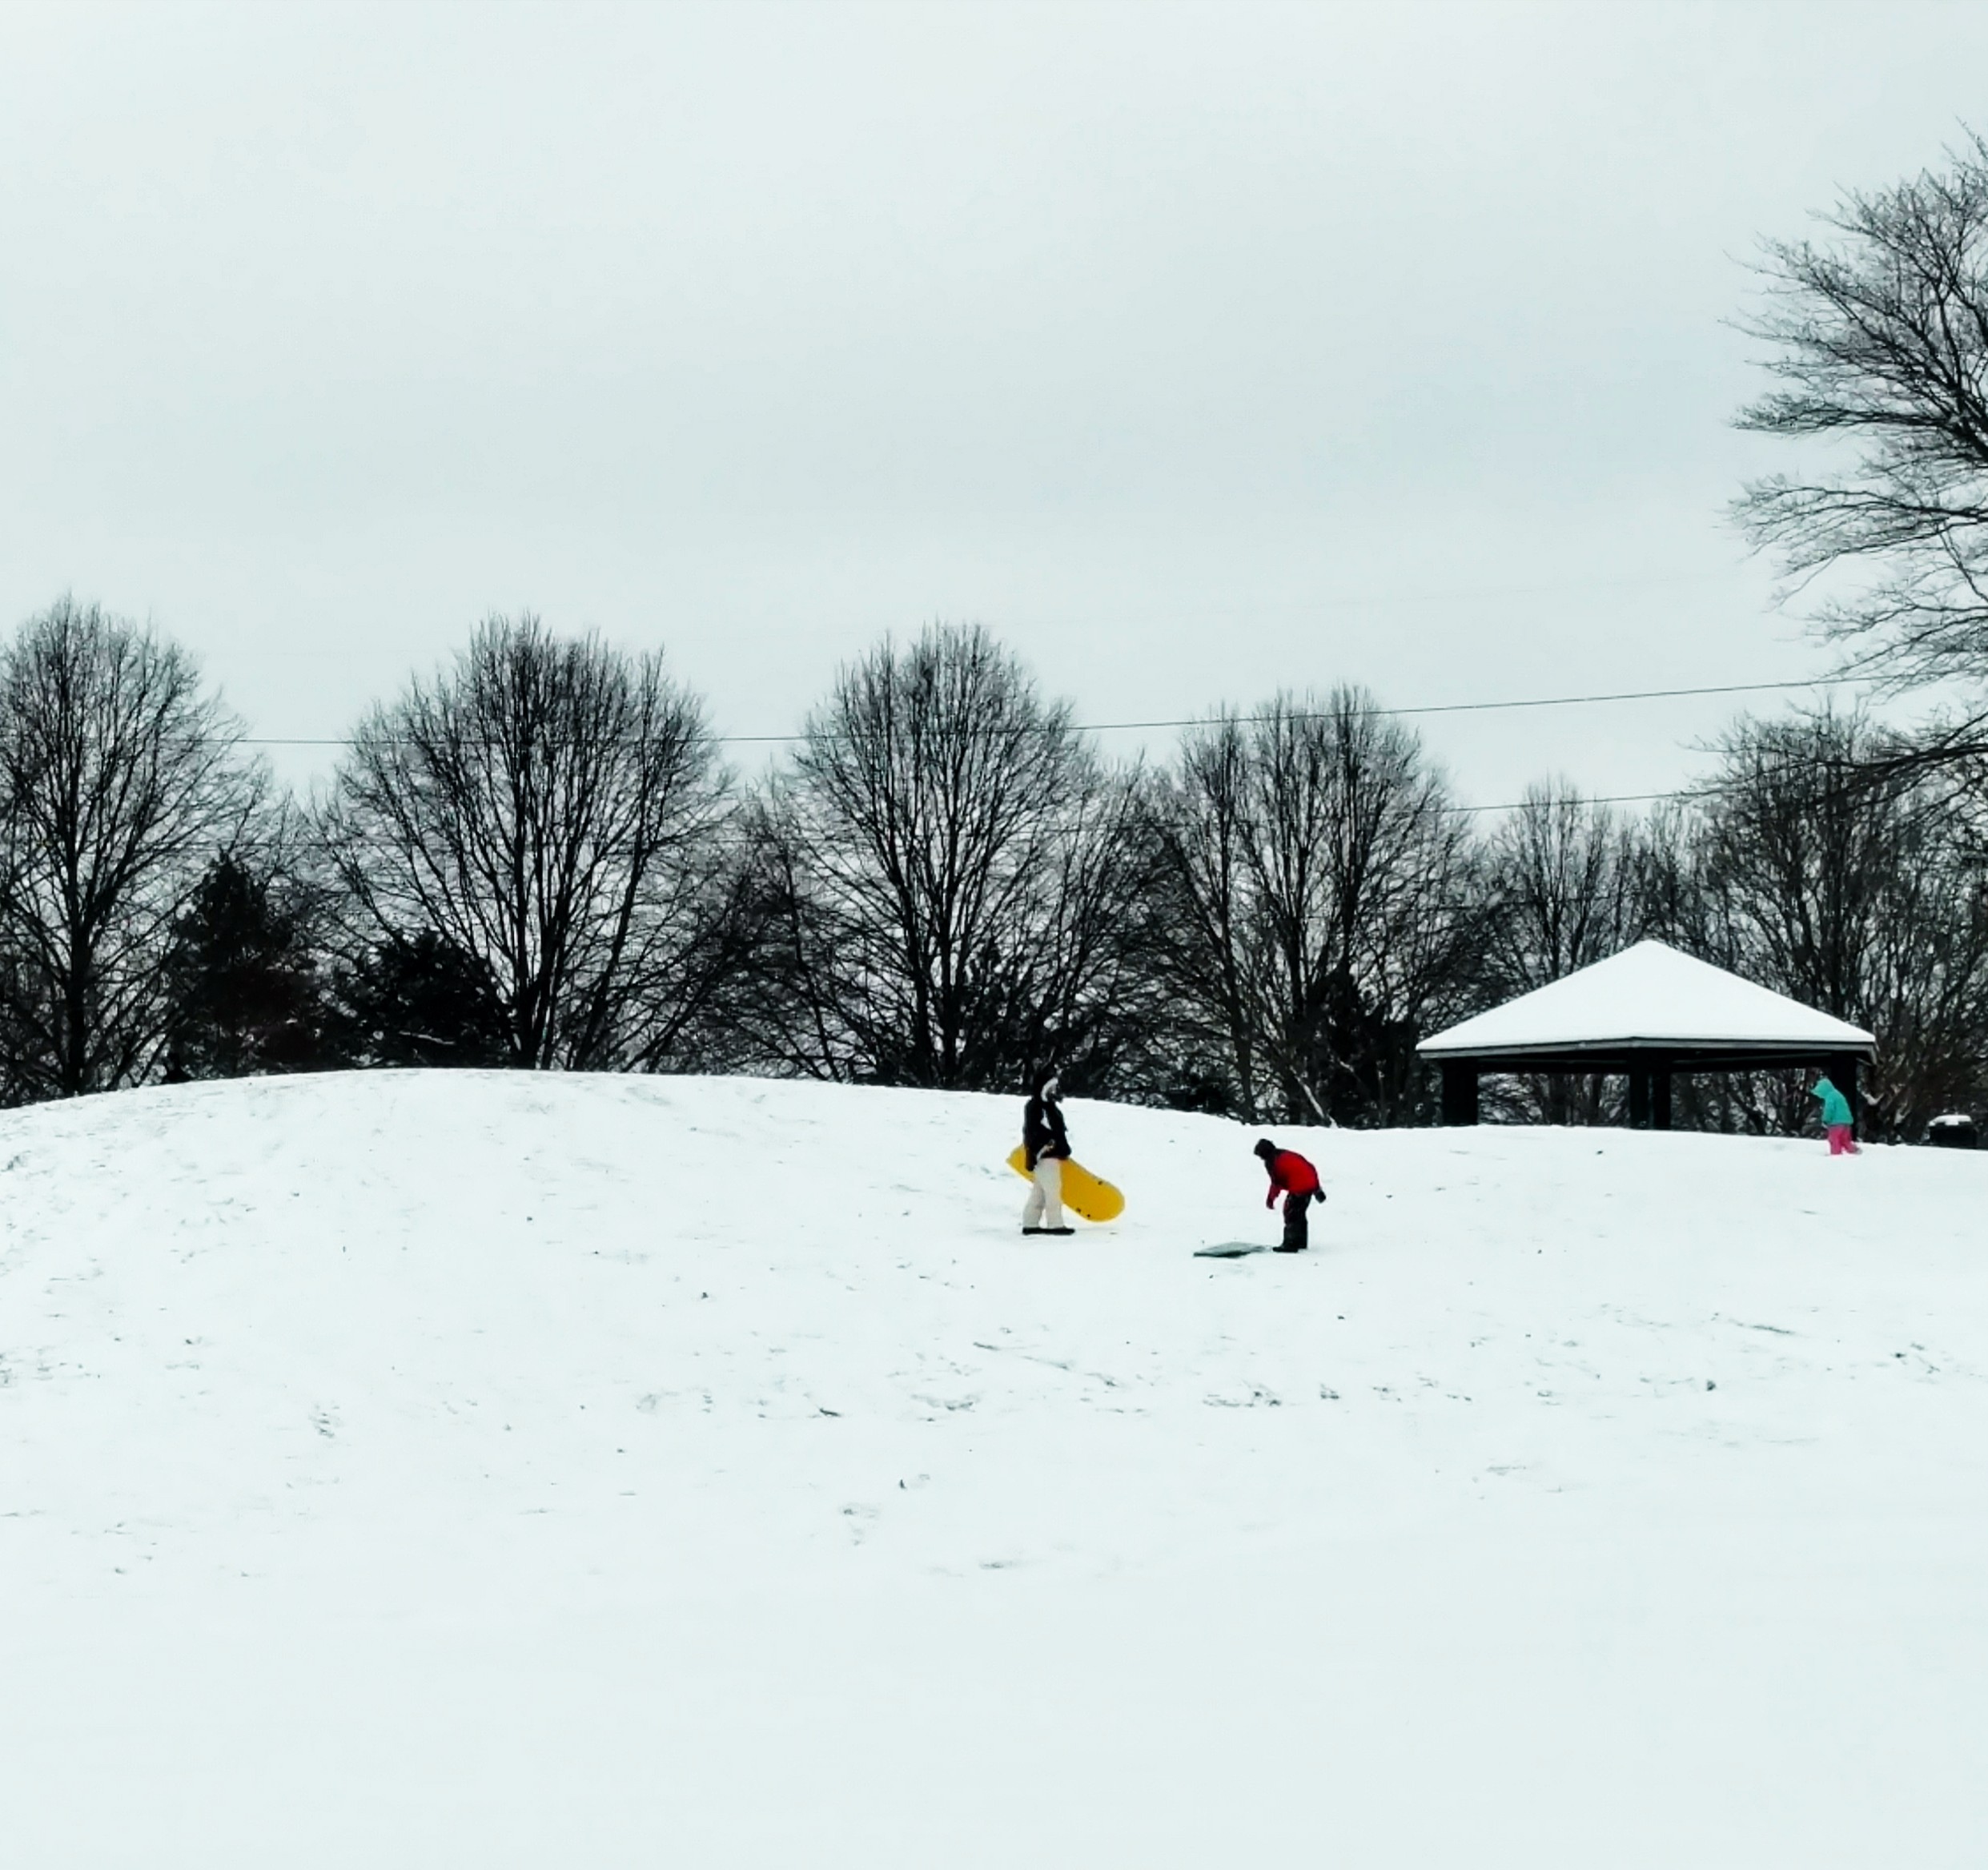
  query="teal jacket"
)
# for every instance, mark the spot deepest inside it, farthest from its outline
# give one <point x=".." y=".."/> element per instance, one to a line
<point x="1836" y="1107"/>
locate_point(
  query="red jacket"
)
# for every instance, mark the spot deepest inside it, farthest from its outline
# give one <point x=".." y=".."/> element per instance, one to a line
<point x="1290" y="1173"/>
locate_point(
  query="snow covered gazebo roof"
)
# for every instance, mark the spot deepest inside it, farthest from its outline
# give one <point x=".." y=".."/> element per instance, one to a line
<point x="1650" y="1006"/>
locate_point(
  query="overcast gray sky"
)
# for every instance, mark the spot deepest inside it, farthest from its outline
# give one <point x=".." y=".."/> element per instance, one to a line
<point x="1196" y="350"/>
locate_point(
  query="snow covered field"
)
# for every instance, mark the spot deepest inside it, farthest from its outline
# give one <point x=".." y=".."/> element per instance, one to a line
<point x="406" y="1469"/>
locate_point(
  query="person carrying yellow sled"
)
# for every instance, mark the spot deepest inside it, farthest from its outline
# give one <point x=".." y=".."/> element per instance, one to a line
<point x="1045" y="1149"/>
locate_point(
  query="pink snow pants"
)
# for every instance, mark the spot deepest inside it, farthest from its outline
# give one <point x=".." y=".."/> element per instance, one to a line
<point x="1841" y="1142"/>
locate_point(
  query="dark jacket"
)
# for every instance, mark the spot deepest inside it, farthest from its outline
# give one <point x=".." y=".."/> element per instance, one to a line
<point x="1043" y="1133"/>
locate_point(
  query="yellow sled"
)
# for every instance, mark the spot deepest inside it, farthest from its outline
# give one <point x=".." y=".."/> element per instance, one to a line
<point x="1084" y="1195"/>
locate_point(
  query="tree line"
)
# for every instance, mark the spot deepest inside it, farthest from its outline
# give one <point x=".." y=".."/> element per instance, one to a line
<point x="538" y="858"/>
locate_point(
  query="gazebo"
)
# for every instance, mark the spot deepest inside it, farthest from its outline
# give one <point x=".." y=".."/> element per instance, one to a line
<point x="1647" y="1014"/>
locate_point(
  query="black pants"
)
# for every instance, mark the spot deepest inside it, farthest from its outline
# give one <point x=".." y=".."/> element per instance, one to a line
<point x="1297" y="1235"/>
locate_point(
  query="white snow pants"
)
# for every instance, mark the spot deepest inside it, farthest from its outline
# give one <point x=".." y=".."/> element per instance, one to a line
<point x="1044" y="1207"/>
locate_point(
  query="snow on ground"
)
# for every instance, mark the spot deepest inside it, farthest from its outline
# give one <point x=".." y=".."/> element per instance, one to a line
<point x="468" y="1469"/>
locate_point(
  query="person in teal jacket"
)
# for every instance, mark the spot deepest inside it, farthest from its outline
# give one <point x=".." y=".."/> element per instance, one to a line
<point x="1837" y="1117"/>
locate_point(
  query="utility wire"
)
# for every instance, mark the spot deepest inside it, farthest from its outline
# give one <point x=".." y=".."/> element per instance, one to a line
<point x="1684" y="792"/>
<point x="1579" y="701"/>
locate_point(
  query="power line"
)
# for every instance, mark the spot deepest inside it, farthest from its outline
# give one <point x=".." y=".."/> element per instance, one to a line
<point x="1643" y="694"/>
<point x="1576" y="700"/>
<point x="1605" y="798"/>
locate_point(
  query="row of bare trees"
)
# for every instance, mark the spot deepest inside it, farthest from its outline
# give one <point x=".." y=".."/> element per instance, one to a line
<point x="538" y="858"/>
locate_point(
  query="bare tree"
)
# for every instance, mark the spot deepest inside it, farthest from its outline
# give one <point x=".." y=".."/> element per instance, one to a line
<point x="950" y="875"/>
<point x="1201" y="933"/>
<point x="547" y="812"/>
<point x="1847" y="880"/>
<point x="1878" y="339"/>
<point x="1561" y="892"/>
<point x="1868" y="901"/>
<point x="1315" y="909"/>
<point x="1799" y="861"/>
<point x="1561" y="879"/>
<point x="120" y="781"/>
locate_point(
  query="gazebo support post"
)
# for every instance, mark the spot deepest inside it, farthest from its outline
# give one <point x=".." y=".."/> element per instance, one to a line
<point x="1660" y="1094"/>
<point x="1460" y="1092"/>
<point x="1639" y="1097"/>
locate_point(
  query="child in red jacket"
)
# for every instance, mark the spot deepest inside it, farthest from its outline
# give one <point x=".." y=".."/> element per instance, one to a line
<point x="1294" y="1178"/>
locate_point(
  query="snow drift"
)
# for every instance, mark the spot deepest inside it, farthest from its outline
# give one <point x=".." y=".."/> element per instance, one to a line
<point x="409" y="1469"/>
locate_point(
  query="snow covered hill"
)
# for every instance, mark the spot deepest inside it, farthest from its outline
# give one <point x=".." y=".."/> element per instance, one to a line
<point x="472" y="1469"/>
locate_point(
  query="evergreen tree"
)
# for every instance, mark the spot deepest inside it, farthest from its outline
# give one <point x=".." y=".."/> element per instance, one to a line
<point x="422" y="1000"/>
<point x="242" y="981"/>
